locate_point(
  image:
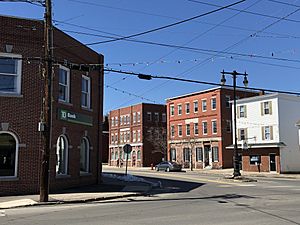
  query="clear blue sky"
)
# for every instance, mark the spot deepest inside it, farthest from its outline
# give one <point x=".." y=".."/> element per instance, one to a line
<point x="231" y="31"/>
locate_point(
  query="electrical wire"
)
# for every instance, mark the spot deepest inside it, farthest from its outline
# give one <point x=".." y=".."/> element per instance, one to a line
<point x="284" y="3"/>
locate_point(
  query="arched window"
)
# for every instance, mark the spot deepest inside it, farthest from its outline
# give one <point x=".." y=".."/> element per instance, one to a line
<point x="8" y="155"/>
<point x="139" y="154"/>
<point x="113" y="155"/>
<point x="84" y="155"/>
<point x="62" y="155"/>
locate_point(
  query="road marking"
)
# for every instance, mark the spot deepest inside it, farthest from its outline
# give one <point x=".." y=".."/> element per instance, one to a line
<point x="286" y="186"/>
<point x="2" y="213"/>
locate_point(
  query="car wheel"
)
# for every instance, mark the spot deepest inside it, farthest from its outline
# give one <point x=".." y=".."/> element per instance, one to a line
<point x="168" y="169"/>
<point x="157" y="169"/>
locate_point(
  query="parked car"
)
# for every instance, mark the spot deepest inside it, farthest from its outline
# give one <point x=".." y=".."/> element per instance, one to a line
<point x="168" y="166"/>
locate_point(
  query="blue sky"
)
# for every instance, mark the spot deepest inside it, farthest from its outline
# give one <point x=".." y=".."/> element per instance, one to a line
<point x="247" y="37"/>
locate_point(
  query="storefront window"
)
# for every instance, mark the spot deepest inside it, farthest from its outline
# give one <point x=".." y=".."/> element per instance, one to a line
<point x="8" y="155"/>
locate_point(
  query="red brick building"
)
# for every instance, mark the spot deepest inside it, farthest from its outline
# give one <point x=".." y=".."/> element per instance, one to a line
<point x="76" y="116"/>
<point x="199" y="128"/>
<point x="143" y="126"/>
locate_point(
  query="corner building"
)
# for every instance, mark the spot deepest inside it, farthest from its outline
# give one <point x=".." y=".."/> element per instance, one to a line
<point x="76" y="116"/>
<point x="143" y="126"/>
<point x="200" y="127"/>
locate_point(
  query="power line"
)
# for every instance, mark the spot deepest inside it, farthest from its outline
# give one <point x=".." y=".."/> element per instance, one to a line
<point x="244" y="11"/>
<point x="129" y="93"/>
<point x="149" y="77"/>
<point x="33" y="2"/>
<point x="162" y="27"/>
<point x="284" y="3"/>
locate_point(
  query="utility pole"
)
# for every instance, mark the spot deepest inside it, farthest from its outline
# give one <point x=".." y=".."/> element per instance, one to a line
<point x="236" y="167"/>
<point x="47" y="108"/>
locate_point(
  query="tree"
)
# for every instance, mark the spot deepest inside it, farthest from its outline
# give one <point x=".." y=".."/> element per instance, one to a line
<point x="157" y="136"/>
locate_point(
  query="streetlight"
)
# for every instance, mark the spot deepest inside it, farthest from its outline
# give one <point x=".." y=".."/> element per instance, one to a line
<point x="236" y="171"/>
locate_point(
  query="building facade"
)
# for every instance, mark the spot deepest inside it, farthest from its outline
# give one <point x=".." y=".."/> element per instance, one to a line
<point x="199" y="128"/>
<point x="267" y="136"/>
<point x="76" y="112"/>
<point x="143" y="126"/>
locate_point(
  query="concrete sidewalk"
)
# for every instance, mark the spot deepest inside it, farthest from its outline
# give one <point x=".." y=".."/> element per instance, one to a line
<point x="109" y="189"/>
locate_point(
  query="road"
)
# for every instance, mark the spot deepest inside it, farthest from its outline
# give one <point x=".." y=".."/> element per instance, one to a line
<point x="184" y="198"/>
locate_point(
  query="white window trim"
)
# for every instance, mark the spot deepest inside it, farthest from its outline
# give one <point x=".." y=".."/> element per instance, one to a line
<point x="17" y="156"/>
<point x="195" y="129"/>
<point x="138" y="117"/>
<point x="212" y="127"/>
<point x="203" y="127"/>
<point x="88" y="93"/>
<point x="178" y="109"/>
<point x="68" y="84"/>
<point x="149" y="114"/>
<point x="19" y="74"/>
<point x="202" y="100"/>
<point x="178" y="130"/>
<point x="186" y="129"/>
<point x="67" y="155"/>
<point x="197" y="106"/>
<point x="185" y="106"/>
<point x="173" y="110"/>
<point x="211" y="103"/>
<point x="171" y="130"/>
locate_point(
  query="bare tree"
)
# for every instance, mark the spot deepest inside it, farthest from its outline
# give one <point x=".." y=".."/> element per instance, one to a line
<point x="157" y="136"/>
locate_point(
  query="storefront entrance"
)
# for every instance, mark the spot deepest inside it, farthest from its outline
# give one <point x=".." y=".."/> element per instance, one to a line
<point x="272" y="162"/>
<point x="207" y="156"/>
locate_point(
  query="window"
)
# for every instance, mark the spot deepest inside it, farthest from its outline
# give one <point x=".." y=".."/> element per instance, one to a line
<point x="186" y="155"/>
<point x="138" y="117"/>
<point x="267" y="133"/>
<point x="215" y="151"/>
<point x="255" y="159"/>
<point x="195" y="106"/>
<point x="187" y="108"/>
<point x="242" y="134"/>
<point x="134" y="117"/>
<point x="172" y="130"/>
<point x="62" y="155"/>
<point x="179" y="109"/>
<point x="113" y="155"/>
<point x="128" y="119"/>
<point x="266" y="108"/>
<point x="199" y="154"/>
<point x="204" y="105"/>
<point x="138" y="155"/>
<point x="242" y="111"/>
<point x="228" y="125"/>
<point x="112" y="121"/>
<point x="139" y="135"/>
<point x="10" y="74"/>
<point x="121" y="120"/>
<point x="227" y="99"/>
<point x="84" y="155"/>
<point x="112" y="138"/>
<point x="116" y="121"/>
<point x="163" y="118"/>
<point x="213" y="103"/>
<point x="204" y="127"/>
<point x="116" y="137"/>
<point x="149" y="116"/>
<point x="121" y="137"/>
<point x="156" y="117"/>
<point x="173" y="154"/>
<point x="8" y="155"/>
<point x="214" y="126"/>
<point x="196" y="129"/>
<point x="188" y="129"/>
<point x="64" y="84"/>
<point x="179" y="130"/>
<point x="134" y="136"/>
<point x="85" y="92"/>
<point x="172" y="112"/>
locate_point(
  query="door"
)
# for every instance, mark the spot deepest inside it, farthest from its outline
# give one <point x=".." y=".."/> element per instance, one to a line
<point x="207" y="156"/>
<point x="272" y="162"/>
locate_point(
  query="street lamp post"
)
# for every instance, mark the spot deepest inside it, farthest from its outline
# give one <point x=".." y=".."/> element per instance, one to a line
<point x="234" y="74"/>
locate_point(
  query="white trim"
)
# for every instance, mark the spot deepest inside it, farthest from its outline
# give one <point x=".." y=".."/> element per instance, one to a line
<point x="211" y="103"/>
<point x="212" y="128"/>
<point x="17" y="156"/>
<point x="18" y="75"/>
<point x="87" y="155"/>
<point x="67" y="100"/>
<point x="67" y="155"/>
<point x="88" y="79"/>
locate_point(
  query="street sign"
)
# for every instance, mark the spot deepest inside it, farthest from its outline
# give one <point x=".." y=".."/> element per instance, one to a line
<point x="127" y="148"/>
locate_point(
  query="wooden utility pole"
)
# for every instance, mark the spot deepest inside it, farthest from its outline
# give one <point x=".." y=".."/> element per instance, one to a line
<point x="47" y="107"/>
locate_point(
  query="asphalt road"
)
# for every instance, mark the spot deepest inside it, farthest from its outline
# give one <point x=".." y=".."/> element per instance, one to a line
<point x="184" y="198"/>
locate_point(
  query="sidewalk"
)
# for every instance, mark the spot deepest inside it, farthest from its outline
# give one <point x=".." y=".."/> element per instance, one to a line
<point x="111" y="188"/>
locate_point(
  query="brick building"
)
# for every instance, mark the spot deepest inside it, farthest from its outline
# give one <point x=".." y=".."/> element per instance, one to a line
<point x="199" y="128"/>
<point x="76" y="116"/>
<point x="105" y="139"/>
<point x="143" y="126"/>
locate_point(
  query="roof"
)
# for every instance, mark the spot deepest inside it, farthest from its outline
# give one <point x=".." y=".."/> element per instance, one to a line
<point x="268" y="96"/>
<point x="298" y="123"/>
<point x="207" y="90"/>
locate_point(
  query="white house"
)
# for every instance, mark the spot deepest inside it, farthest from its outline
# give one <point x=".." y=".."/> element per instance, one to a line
<point x="267" y="133"/>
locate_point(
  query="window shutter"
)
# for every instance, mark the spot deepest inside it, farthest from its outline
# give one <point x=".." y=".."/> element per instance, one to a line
<point x="246" y="134"/>
<point x="245" y="114"/>
<point x="271" y="132"/>
<point x="239" y="134"/>
<point x="270" y="107"/>
<point x="262" y="108"/>
<point x="238" y="111"/>
<point x="263" y="133"/>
